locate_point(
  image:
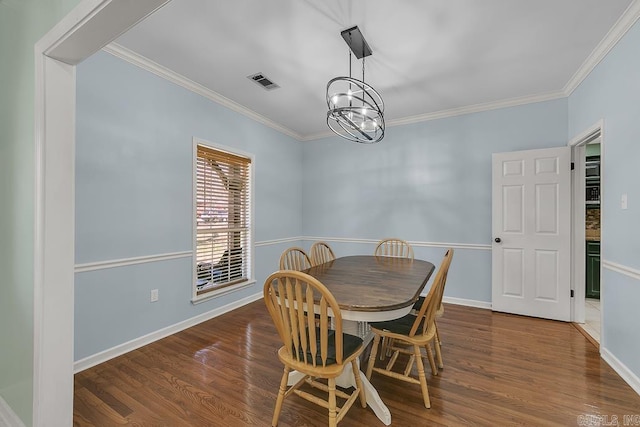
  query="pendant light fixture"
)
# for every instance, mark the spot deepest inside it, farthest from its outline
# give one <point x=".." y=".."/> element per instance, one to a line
<point x="356" y="110"/>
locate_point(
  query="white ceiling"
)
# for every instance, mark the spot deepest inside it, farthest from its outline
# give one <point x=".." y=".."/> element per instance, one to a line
<point x="428" y="55"/>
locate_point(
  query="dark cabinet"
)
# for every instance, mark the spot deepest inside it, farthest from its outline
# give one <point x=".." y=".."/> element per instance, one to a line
<point x="593" y="270"/>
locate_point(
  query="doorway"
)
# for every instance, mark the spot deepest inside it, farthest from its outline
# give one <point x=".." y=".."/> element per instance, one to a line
<point x="87" y="28"/>
<point x="592" y="240"/>
<point x="586" y="196"/>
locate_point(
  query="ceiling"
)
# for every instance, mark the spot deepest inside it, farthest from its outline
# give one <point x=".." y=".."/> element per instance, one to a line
<point x="429" y="56"/>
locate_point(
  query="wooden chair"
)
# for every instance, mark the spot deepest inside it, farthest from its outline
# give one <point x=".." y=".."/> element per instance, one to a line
<point x="315" y="351"/>
<point x="439" y="313"/>
<point x="392" y="247"/>
<point x="294" y="258"/>
<point x="395" y="248"/>
<point x="415" y="332"/>
<point x="321" y="252"/>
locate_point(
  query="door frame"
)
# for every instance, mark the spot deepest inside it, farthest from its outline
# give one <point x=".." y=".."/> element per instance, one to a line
<point x="86" y="29"/>
<point x="578" y="246"/>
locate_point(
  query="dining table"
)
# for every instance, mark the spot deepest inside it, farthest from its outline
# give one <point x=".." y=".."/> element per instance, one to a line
<point x="370" y="288"/>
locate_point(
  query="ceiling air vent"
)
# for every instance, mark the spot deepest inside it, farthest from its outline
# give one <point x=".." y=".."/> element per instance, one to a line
<point x="260" y="79"/>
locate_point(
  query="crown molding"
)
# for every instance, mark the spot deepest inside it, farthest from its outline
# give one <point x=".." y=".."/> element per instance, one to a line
<point x="477" y="108"/>
<point x="619" y="29"/>
<point x="145" y="63"/>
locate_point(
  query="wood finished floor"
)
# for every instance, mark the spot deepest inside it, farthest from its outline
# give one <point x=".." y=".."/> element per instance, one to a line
<point x="500" y="370"/>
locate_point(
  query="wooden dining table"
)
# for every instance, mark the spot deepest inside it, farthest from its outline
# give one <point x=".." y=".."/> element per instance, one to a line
<point x="371" y="289"/>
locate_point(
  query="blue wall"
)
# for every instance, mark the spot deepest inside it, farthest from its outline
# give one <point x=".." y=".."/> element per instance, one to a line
<point x="612" y="93"/>
<point x="134" y="198"/>
<point x="425" y="182"/>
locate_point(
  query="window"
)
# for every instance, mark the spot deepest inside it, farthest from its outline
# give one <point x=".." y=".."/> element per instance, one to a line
<point x="222" y="219"/>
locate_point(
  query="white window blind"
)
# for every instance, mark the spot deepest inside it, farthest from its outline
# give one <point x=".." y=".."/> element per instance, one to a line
<point x="223" y="222"/>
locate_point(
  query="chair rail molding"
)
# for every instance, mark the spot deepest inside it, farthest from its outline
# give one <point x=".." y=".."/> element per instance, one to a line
<point x="100" y="265"/>
<point x="622" y="269"/>
<point x="415" y="243"/>
<point x="122" y="262"/>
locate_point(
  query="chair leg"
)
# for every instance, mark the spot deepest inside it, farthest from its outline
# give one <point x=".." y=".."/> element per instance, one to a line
<point x="390" y="345"/>
<point x="356" y="375"/>
<point x="280" y="399"/>
<point x="422" y="377"/>
<point x="333" y="422"/>
<point x="372" y="356"/>
<point x="432" y="362"/>
<point x="384" y="348"/>
<point x="438" y="346"/>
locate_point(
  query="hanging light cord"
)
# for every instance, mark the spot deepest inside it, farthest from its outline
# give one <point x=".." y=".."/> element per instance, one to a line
<point x="350" y="97"/>
<point x="363" y="80"/>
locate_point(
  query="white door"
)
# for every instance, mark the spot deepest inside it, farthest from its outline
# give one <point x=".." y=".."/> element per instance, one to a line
<point x="531" y="250"/>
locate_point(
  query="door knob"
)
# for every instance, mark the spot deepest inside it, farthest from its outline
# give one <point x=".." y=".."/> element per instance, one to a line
<point x="497" y="240"/>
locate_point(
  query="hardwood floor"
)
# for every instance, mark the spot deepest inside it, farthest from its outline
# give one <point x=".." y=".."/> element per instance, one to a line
<point x="499" y="370"/>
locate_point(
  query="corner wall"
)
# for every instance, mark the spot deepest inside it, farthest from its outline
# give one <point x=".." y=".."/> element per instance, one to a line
<point x="429" y="183"/>
<point x="22" y="24"/>
<point x="611" y="92"/>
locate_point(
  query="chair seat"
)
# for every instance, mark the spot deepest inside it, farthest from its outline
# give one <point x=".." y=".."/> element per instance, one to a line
<point x="350" y="344"/>
<point x="418" y="304"/>
<point x="401" y="326"/>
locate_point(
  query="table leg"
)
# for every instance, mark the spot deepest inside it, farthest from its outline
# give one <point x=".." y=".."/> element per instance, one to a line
<point x="346" y="379"/>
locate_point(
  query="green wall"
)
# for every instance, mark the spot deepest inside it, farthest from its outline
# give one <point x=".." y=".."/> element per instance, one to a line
<point x="22" y="24"/>
<point x="593" y="149"/>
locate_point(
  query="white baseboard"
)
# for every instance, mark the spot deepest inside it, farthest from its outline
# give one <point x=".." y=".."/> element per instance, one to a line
<point x="622" y="369"/>
<point x="467" y="302"/>
<point x="8" y="418"/>
<point x="103" y="356"/>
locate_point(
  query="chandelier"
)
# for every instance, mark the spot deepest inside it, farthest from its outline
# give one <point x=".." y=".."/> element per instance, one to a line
<point x="355" y="108"/>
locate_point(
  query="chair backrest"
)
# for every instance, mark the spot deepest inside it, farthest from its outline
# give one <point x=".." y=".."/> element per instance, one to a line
<point x="291" y="298"/>
<point x="321" y="252"/>
<point x="294" y="259"/>
<point x="449" y="253"/>
<point x="394" y="248"/>
<point x="427" y="313"/>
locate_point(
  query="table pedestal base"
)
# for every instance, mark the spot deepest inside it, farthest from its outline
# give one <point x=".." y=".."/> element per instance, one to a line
<point x="346" y="379"/>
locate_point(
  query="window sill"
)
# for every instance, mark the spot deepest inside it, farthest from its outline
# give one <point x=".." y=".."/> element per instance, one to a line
<point x="220" y="292"/>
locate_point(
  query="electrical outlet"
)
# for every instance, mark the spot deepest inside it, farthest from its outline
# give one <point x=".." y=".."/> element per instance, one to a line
<point x="154" y="295"/>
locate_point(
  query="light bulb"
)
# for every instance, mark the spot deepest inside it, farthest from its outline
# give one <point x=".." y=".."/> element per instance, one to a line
<point x="349" y="94"/>
<point x="364" y="111"/>
<point x="334" y="99"/>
